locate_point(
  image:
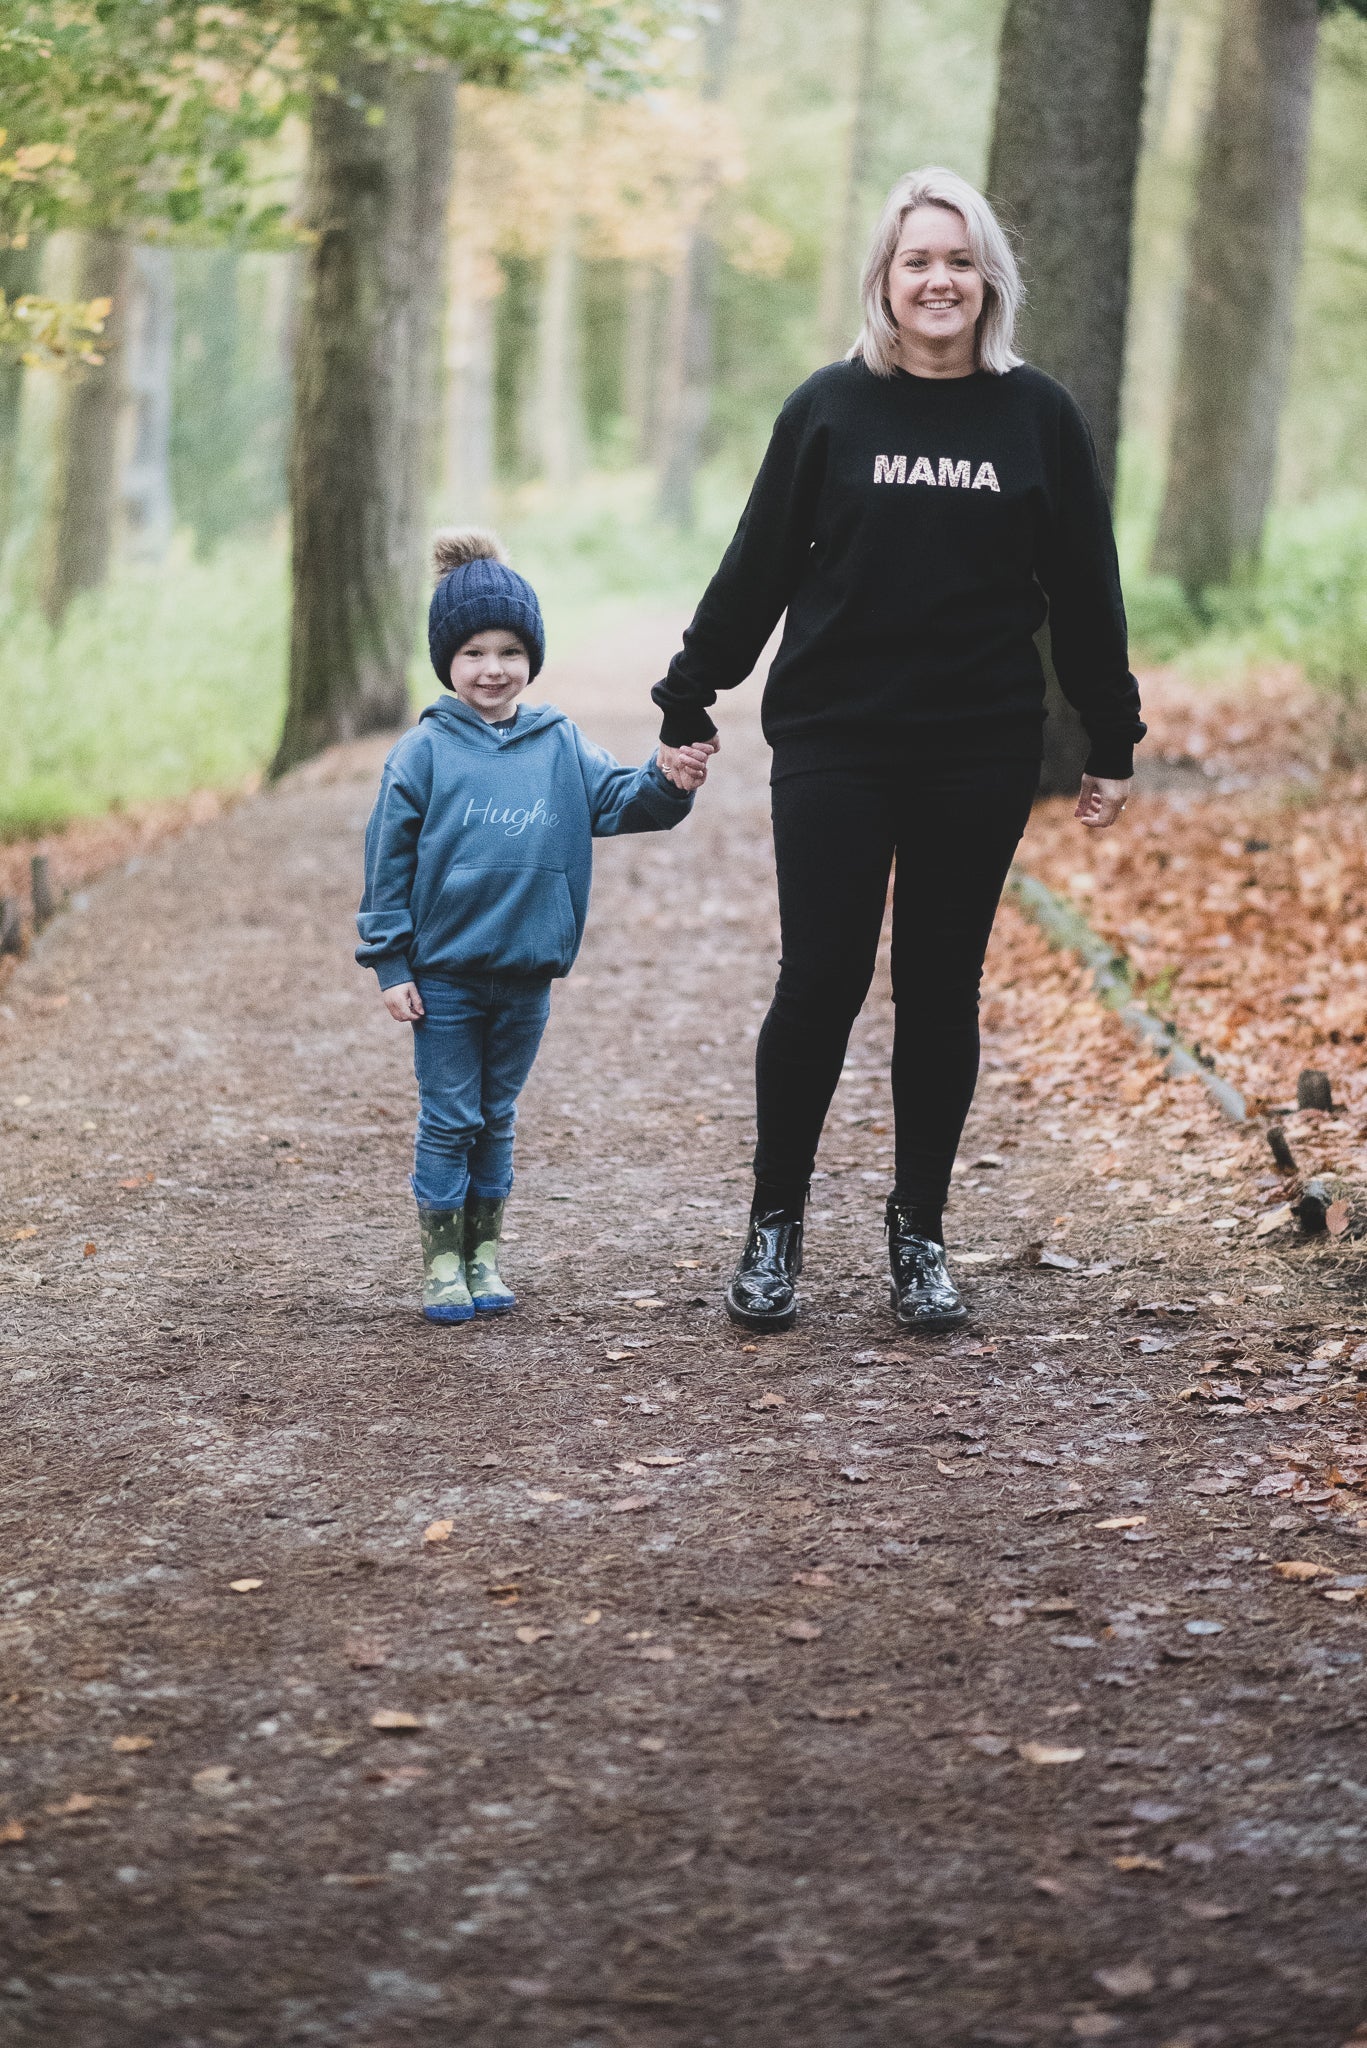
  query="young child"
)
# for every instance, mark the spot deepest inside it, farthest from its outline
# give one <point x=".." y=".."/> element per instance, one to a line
<point x="478" y="859"/>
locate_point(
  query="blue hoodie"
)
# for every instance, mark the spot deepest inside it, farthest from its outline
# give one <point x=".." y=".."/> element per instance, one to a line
<point x="479" y="855"/>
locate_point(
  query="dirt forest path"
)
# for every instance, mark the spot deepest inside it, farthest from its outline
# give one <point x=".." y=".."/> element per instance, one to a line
<point x="832" y="1690"/>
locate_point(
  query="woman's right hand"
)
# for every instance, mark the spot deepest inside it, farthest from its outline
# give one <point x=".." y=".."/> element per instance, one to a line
<point x="682" y="764"/>
<point x="403" y="1002"/>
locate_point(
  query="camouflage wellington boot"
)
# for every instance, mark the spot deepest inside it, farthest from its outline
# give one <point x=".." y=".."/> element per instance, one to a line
<point x="483" y="1228"/>
<point x="445" y="1296"/>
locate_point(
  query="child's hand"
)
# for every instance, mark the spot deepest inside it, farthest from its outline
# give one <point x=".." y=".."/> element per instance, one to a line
<point x="686" y="767"/>
<point x="403" y="1002"/>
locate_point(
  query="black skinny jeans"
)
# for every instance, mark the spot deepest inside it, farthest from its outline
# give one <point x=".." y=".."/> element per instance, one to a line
<point x="953" y="828"/>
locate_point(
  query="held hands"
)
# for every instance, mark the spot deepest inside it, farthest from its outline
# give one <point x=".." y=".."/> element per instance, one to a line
<point x="403" y="1002"/>
<point x="686" y="767"/>
<point x="1100" y="801"/>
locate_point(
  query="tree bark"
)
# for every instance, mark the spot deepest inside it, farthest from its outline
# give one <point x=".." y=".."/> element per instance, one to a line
<point x="19" y="275"/>
<point x="690" y="341"/>
<point x="84" y="490"/>
<point x="1065" y="147"/>
<point x="145" y="485"/>
<point x="363" y="446"/>
<point x="1245" y="248"/>
<point x="845" y="255"/>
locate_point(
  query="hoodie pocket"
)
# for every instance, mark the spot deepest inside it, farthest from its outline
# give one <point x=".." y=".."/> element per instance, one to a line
<point x="499" y="920"/>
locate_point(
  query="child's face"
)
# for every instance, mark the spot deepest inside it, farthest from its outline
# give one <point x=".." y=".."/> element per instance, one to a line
<point x="490" y="672"/>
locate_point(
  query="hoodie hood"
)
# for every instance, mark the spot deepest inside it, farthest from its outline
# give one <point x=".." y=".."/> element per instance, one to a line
<point x="451" y="715"/>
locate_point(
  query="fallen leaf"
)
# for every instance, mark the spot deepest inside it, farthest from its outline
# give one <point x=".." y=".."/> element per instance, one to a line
<point x="393" y="1721"/>
<point x="1127" y="1980"/>
<point x="1204" y="1628"/>
<point x="616" y="1357"/>
<point x="528" y="1633"/>
<point x="1048" y="1753"/>
<point x="1137" y="1863"/>
<point x="856" y="1474"/>
<point x="989" y="1745"/>
<point x="489" y="1458"/>
<point x="363" y="1655"/>
<point x="12" y="1831"/>
<point x="803" y="1631"/>
<point x="841" y="1713"/>
<point x="768" y="1401"/>
<point x="653" y="1743"/>
<point x="647" y="1301"/>
<point x="1276" y="1219"/>
<point x="215" y="1781"/>
<point x="1337" y="1218"/>
<point x="592" y="1618"/>
<point x="813" y="1579"/>
<point x="79" y="1802"/>
<point x="90" y="1248"/>
<point x="656" y="1653"/>
<point x="1300" y="1568"/>
<point x="20" y="1236"/>
<point x="131" y="1745"/>
<point x="505" y="1594"/>
<point x="1073" y="1642"/>
<point x="1208" y="1909"/>
<point x="1122" y="1522"/>
<point x="245" y="1585"/>
<point x="1059" y="1261"/>
<point x="438" y="1532"/>
<point x="544" y="1498"/>
<point x="632" y="1505"/>
<point x="663" y="1459"/>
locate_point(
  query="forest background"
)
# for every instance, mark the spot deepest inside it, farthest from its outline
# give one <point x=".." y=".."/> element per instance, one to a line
<point x="644" y="245"/>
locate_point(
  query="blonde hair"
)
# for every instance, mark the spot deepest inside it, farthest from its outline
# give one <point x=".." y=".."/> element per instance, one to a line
<point x="992" y="253"/>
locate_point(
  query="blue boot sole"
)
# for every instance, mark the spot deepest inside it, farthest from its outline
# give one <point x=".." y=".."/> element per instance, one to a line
<point x="449" y="1315"/>
<point x="494" y="1308"/>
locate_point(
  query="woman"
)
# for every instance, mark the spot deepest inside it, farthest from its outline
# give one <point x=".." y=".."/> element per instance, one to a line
<point x="922" y="507"/>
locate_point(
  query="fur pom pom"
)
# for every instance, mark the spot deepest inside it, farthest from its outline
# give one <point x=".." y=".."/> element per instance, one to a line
<point x="454" y="546"/>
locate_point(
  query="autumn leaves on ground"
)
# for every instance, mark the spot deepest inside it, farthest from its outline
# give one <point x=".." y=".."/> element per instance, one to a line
<point x="606" y="1677"/>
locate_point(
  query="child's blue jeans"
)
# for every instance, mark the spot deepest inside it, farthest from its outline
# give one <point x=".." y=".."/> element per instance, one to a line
<point x="472" y="1053"/>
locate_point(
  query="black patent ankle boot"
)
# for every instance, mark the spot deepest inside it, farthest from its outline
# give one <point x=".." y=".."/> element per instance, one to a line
<point x="922" y="1295"/>
<point x="762" y="1294"/>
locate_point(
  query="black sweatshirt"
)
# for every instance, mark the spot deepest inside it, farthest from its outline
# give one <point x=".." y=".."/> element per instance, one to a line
<point x="917" y="530"/>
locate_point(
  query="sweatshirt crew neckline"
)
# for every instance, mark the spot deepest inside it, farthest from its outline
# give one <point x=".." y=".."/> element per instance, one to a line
<point x="918" y="532"/>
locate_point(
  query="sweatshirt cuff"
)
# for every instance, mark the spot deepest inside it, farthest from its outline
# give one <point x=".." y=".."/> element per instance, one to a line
<point x="684" y="723"/>
<point x="1111" y="759"/>
<point x="393" y="971"/>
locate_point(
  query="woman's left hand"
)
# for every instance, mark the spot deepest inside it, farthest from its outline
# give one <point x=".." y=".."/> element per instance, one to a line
<point x="1100" y="801"/>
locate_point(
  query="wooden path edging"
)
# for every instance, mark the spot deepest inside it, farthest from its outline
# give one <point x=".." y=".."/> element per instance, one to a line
<point x="1113" y="982"/>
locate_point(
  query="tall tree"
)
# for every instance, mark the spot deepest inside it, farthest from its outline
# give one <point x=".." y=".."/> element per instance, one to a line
<point x="378" y="182"/>
<point x="839" y="320"/>
<point x="1244" y="259"/>
<point x="145" y="483"/>
<point x="690" y="340"/>
<point x="18" y="278"/>
<point x="1065" y="147"/>
<point x="81" y="511"/>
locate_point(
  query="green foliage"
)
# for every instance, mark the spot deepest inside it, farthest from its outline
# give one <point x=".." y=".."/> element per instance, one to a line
<point x="164" y="682"/>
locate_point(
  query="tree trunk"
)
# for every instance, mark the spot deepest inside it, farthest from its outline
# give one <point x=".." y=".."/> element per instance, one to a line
<point x="19" y="275"/>
<point x="149" y="365"/>
<point x="690" y="340"/>
<point x="640" y="358"/>
<point x="84" y="490"/>
<point x="845" y="255"/>
<point x="559" y="376"/>
<point x="472" y="288"/>
<point x="1065" y="146"/>
<point x="1245" y="248"/>
<point x="365" y="399"/>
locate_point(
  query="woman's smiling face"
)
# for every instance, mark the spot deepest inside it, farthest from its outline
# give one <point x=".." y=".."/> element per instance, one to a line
<point x="934" y="288"/>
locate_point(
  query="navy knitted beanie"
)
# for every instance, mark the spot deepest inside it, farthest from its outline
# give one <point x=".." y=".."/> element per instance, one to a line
<point x="477" y="592"/>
